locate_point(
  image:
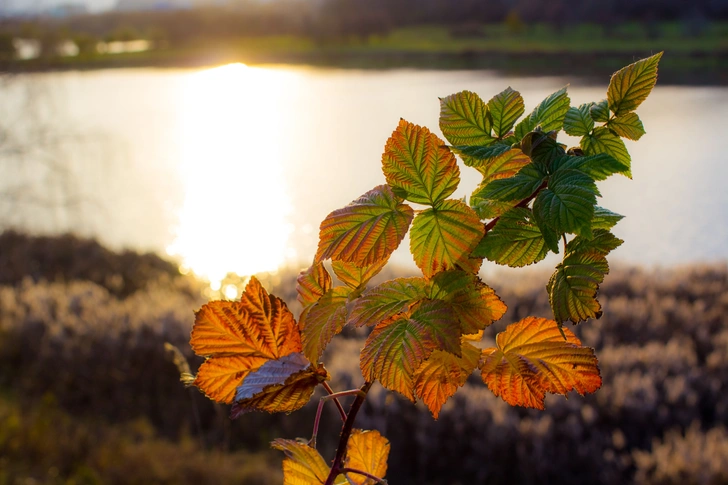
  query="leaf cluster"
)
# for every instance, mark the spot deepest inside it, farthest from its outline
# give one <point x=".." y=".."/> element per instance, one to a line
<point x="536" y="196"/>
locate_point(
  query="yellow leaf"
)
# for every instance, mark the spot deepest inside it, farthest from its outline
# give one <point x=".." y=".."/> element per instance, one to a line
<point x="303" y="465"/>
<point x="354" y="276"/>
<point x="322" y="320"/>
<point x="367" y="451"/>
<point x="532" y="358"/>
<point x="312" y="284"/>
<point x="440" y="376"/>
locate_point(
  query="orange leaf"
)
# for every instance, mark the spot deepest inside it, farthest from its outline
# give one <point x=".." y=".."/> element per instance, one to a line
<point x="282" y="385"/>
<point x="312" y="283"/>
<point x="354" y="276"/>
<point x="532" y="358"/>
<point x="257" y="325"/>
<point x="440" y="376"/>
<point x="442" y="238"/>
<point x="474" y="302"/>
<point x="220" y="376"/>
<point x="303" y="464"/>
<point x="367" y="230"/>
<point x="322" y="320"/>
<point x="367" y="451"/>
<point x="418" y="165"/>
<point x="396" y="347"/>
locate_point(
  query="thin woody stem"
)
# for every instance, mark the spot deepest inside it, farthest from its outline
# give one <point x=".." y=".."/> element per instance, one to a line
<point x="342" y="413"/>
<point x="316" y="421"/>
<point x="336" y="466"/>
<point x="361" y="472"/>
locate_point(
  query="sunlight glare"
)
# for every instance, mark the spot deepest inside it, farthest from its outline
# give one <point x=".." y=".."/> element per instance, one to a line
<point x="235" y="213"/>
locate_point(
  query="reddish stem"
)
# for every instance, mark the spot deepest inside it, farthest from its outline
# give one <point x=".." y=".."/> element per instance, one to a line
<point x="361" y="472"/>
<point x="317" y="420"/>
<point x="342" y="413"/>
<point x="336" y="466"/>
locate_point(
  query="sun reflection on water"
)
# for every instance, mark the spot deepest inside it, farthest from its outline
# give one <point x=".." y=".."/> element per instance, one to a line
<point x="234" y="217"/>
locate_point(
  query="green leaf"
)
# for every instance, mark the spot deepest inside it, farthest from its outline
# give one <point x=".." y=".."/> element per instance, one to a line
<point x="385" y="301"/>
<point x="546" y="151"/>
<point x="519" y="187"/>
<point x="600" y="111"/>
<point x="366" y="231"/>
<point x="579" y="121"/>
<point x="397" y="347"/>
<point x="632" y="84"/>
<point x="418" y="166"/>
<point x="482" y="152"/>
<point x="464" y="119"/>
<point x="503" y="166"/>
<point x="604" y="141"/>
<point x="627" y="126"/>
<point x="514" y="241"/>
<point x="597" y="167"/>
<point x="475" y="303"/>
<point x="442" y="238"/>
<point x="604" y="218"/>
<point x="354" y="276"/>
<point x="322" y="320"/>
<point x="549" y="114"/>
<point x="567" y="204"/>
<point x="574" y="285"/>
<point x="602" y="243"/>
<point x="505" y="108"/>
<point x="490" y="209"/>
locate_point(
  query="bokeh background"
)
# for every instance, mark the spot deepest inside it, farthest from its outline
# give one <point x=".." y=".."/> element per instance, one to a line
<point x="155" y="153"/>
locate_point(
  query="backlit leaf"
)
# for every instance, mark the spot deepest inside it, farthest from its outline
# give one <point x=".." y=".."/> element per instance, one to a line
<point x="418" y="166"/>
<point x="442" y="238"/>
<point x="475" y="303"/>
<point x="521" y="186"/>
<point x="258" y="325"/>
<point x="532" y="358"/>
<point x="490" y="209"/>
<point x="632" y="84"/>
<point x="549" y="114"/>
<point x="282" y="385"/>
<point x="505" y="108"/>
<point x="479" y="154"/>
<point x="503" y="166"/>
<point x="464" y="119"/>
<point x="354" y="276"/>
<point x="627" y="126"/>
<point x="604" y="218"/>
<point x="312" y="283"/>
<point x="367" y="451"/>
<point x="303" y="464"/>
<point x="365" y="231"/>
<point x="567" y="204"/>
<point x="440" y="376"/>
<point x="597" y="167"/>
<point x="574" y="285"/>
<point x="579" y="121"/>
<point x="386" y="300"/>
<point x="396" y="347"/>
<point x="322" y="320"/>
<point x="600" y="111"/>
<point x="604" y="141"/>
<point x="603" y="242"/>
<point x="219" y="377"/>
<point x="514" y="241"/>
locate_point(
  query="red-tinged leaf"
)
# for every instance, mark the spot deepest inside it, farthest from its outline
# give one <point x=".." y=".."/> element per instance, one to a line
<point x="503" y="166"/>
<point x="386" y="300"/>
<point x="322" y="320"/>
<point x="464" y="119"/>
<point x="303" y="464"/>
<point x="442" y="238"/>
<point x="220" y="376"/>
<point x="258" y="325"/>
<point x="418" y="166"/>
<point x="475" y="303"/>
<point x="532" y="358"/>
<point x="365" y="231"/>
<point x="367" y="451"/>
<point x="396" y="348"/>
<point x="440" y="376"/>
<point x="354" y="276"/>
<point x="282" y="385"/>
<point x="312" y="284"/>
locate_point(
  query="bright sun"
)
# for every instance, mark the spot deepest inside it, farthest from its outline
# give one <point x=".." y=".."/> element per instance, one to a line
<point x="235" y="213"/>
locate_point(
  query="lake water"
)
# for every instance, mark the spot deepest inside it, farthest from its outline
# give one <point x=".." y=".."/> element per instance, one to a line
<point x="233" y="168"/>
